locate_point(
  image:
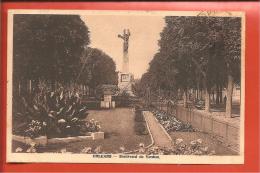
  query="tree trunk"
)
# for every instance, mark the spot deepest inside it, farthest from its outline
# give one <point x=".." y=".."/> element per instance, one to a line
<point x="197" y="94"/>
<point x="201" y="94"/>
<point x="220" y="94"/>
<point x="207" y="97"/>
<point x="207" y="101"/>
<point x="217" y="95"/>
<point x="229" y="96"/>
<point x="19" y="89"/>
<point x="185" y="98"/>
<point x="30" y="86"/>
<point x="198" y="88"/>
<point x="23" y="87"/>
<point x="213" y="97"/>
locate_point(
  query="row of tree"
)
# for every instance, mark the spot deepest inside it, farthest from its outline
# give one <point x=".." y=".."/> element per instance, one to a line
<point x="56" y="48"/>
<point x="199" y="53"/>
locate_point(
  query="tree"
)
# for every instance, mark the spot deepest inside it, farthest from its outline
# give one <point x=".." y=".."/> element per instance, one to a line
<point x="198" y="52"/>
<point x="48" y="46"/>
<point x="98" y="69"/>
<point x="232" y="52"/>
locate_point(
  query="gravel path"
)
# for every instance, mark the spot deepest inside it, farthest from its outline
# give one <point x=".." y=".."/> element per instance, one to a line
<point x="159" y="135"/>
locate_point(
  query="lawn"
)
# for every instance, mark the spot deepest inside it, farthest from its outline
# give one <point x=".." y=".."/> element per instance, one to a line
<point x="118" y="125"/>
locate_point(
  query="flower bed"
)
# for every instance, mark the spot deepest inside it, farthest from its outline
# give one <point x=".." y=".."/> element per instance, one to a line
<point x="195" y="147"/>
<point x="171" y="123"/>
<point x="55" y="113"/>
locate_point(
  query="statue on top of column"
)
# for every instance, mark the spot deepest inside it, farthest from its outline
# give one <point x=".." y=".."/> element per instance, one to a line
<point x="125" y="37"/>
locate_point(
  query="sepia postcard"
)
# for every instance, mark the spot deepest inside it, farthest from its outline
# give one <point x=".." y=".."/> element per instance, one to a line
<point x="158" y="87"/>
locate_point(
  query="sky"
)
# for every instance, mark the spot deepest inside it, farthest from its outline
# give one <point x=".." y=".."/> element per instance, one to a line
<point x="143" y="42"/>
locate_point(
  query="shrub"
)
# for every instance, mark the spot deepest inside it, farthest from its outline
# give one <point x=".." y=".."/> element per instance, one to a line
<point x="52" y="112"/>
<point x="35" y="128"/>
<point x="140" y="128"/>
<point x="171" y="123"/>
<point x="139" y="116"/>
<point x="140" y="124"/>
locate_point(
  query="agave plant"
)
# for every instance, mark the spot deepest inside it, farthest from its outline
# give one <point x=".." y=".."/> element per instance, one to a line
<point x="58" y="113"/>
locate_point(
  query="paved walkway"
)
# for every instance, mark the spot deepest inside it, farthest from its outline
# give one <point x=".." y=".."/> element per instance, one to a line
<point x="160" y="136"/>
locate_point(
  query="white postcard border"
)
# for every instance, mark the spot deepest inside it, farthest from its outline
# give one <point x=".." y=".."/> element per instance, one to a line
<point x="88" y="158"/>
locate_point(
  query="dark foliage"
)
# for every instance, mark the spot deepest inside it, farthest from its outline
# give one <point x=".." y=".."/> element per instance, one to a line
<point x="55" y="113"/>
<point x="97" y="69"/>
<point x="48" y="46"/>
<point x="140" y="128"/>
<point x="140" y="124"/>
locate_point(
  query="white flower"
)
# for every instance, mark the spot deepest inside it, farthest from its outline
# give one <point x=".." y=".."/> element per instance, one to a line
<point x="122" y="149"/>
<point x="31" y="150"/>
<point x="63" y="150"/>
<point x="199" y="141"/>
<point x="67" y="127"/>
<point x="61" y="121"/>
<point x="178" y="141"/>
<point x="161" y="152"/>
<point x="32" y="144"/>
<point x="141" y="150"/>
<point x="86" y="150"/>
<point x="74" y="119"/>
<point x="205" y="149"/>
<point x="193" y="142"/>
<point x="98" y="149"/>
<point x="17" y="150"/>
<point x="141" y="145"/>
<point x="197" y="152"/>
<point x="213" y="152"/>
<point x="156" y="148"/>
<point x="35" y="107"/>
<point x="44" y="123"/>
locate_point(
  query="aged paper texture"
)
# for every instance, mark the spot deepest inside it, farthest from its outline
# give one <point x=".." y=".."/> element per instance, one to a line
<point x="162" y="87"/>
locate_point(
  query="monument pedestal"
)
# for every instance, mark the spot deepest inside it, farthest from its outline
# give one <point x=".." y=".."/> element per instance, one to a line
<point x="125" y="81"/>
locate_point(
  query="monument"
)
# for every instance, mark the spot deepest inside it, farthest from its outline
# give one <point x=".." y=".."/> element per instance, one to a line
<point x="125" y="78"/>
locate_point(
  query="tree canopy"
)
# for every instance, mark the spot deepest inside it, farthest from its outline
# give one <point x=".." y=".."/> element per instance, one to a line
<point x="97" y="68"/>
<point x="196" y="51"/>
<point x="48" y="46"/>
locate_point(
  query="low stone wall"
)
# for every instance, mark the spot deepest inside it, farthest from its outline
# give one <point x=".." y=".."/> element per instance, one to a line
<point x="42" y="141"/>
<point x="224" y="131"/>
